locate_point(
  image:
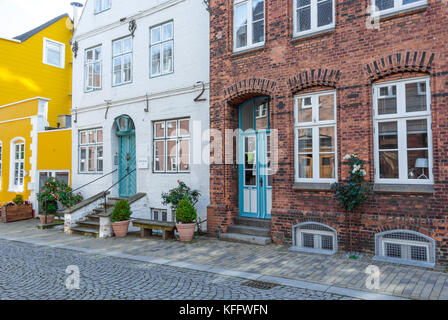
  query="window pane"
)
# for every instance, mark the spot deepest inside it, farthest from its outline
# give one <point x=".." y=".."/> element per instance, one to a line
<point x="117" y="70"/>
<point x="250" y="173"/>
<point x="91" y="159"/>
<point x="82" y="162"/>
<point x="388" y="135"/>
<point x="117" y="47"/>
<point x="384" y="4"/>
<point x="258" y="20"/>
<point x="308" y="240"/>
<point x="305" y="140"/>
<point x="92" y="136"/>
<point x="62" y="176"/>
<point x="127" y="45"/>
<point x="327" y="242"/>
<point x="258" y="31"/>
<point x="327" y="166"/>
<point x="304" y="19"/>
<point x="387" y="100"/>
<point x="160" y="156"/>
<point x="83" y="137"/>
<point x="168" y="57"/>
<point x="96" y="77"/>
<point x="418" y="165"/>
<point x="393" y="250"/>
<point x="53" y="54"/>
<point x="419" y="253"/>
<point x="241" y="25"/>
<point x="257" y="10"/>
<point x="261" y="114"/>
<point x="184" y="155"/>
<point x="171" y="156"/>
<point x="127" y="68"/>
<point x="99" y="135"/>
<point x="417" y="133"/>
<point x="247" y="116"/>
<point x="89" y="55"/>
<point x="167" y="31"/>
<point x="305" y="110"/>
<point x="98" y="54"/>
<point x="326" y="138"/>
<point x="159" y="130"/>
<point x="305" y="165"/>
<point x="326" y="107"/>
<point x="250" y="178"/>
<point x="99" y="153"/>
<point x="184" y="127"/>
<point x="155" y="35"/>
<point x="171" y="127"/>
<point x="324" y="13"/>
<point x="155" y="59"/>
<point x="416" y="97"/>
<point x="389" y="164"/>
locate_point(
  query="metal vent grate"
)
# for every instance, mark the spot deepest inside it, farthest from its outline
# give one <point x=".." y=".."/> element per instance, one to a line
<point x="259" y="284"/>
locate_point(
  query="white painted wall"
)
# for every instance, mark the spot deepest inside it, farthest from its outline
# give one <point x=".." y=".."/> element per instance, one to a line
<point x="170" y="96"/>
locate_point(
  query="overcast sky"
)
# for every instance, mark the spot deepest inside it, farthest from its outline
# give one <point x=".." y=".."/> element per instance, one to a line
<point x="20" y="16"/>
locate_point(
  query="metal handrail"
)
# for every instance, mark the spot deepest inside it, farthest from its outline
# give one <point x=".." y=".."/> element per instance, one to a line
<point x="113" y="185"/>
<point x="94" y="180"/>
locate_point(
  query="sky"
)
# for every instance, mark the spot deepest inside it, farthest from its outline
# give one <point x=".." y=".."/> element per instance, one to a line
<point x="20" y="16"/>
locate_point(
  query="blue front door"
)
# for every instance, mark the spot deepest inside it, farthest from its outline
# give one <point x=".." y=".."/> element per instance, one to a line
<point x="127" y="158"/>
<point x="255" y="183"/>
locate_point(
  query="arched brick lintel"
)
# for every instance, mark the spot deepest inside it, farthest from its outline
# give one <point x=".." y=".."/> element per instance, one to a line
<point x="408" y="61"/>
<point x="248" y="88"/>
<point x="314" y="78"/>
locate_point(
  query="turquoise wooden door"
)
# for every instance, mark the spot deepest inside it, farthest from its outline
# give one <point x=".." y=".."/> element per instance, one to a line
<point x="255" y="183"/>
<point x="127" y="158"/>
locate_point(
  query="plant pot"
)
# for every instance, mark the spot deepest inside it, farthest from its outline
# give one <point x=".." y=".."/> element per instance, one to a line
<point x="186" y="231"/>
<point x="50" y="218"/>
<point x="120" y="228"/>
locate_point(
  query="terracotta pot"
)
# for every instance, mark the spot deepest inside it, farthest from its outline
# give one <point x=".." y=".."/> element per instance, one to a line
<point x="120" y="228"/>
<point x="186" y="231"/>
<point x="50" y="218"/>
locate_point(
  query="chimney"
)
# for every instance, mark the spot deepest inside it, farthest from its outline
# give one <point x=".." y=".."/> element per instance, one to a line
<point x="75" y="6"/>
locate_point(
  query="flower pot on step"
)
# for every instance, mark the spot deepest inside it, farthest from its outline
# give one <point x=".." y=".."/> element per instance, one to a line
<point x="50" y="218"/>
<point x="120" y="228"/>
<point x="186" y="231"/>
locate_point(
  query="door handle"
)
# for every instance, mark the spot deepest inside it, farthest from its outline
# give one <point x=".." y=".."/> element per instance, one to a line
<point x="261" y="182"/>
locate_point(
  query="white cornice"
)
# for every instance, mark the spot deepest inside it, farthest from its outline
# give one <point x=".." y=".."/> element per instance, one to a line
<point x="18" y="102"/>
<point x="9" y="39"/>
<point x="153" y="96"/>
<point x="140" y="15"/>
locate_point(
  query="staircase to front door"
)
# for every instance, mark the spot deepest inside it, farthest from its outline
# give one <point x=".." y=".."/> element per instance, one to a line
<point x="248" y="230"/>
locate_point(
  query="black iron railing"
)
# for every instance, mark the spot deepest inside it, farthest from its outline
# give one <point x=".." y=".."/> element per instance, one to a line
<point x="113" y="185"/>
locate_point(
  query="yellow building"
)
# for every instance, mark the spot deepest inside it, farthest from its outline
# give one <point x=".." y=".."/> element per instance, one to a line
<point x="35" y="103"/>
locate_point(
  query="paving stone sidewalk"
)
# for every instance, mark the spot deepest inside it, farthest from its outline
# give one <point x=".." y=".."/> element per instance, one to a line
<point x="272" y="260"/>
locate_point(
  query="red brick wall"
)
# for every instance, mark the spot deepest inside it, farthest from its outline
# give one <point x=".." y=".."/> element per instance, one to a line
<point x="349" y="59"/>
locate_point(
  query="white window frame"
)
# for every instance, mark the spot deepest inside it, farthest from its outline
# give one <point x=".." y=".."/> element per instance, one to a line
<point x="86" y="146"/>
<point x="401" y="117"/>
<point x="160" y="214"/>
<point x="13" y="187"/>
<point x="92" y="63"/>
<point x="398" y="7"/>
<point x="314" y="28"/>
<point x="160" y="44"/>
<point x="62" y="53"/>
<point x="178" y="138"/>
<point x="298" y="238"/>
<point x="103" y="5"/>
<point x="122" y="55"/>
<point x="250" y="44"/>
<point x="315" y="125"/>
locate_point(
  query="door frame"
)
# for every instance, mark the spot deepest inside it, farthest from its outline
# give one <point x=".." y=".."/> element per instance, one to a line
<point x="261" y="149"/>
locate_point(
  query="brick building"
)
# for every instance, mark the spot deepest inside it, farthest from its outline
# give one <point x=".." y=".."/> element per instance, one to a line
<point x="322" y="79"/>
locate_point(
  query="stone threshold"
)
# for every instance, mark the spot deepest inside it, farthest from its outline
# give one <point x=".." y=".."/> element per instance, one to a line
<point x="358" y="294"/>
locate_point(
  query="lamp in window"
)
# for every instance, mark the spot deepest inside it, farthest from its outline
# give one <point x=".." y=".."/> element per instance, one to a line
<point x="422" y="163"/>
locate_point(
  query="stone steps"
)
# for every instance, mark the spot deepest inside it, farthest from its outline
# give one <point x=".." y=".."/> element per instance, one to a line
<point x="85" y="231"/>
<point x="252" y="222"/>
<point x="252" y="231"/>
<point x="245" y="238"/>
<point x="89" y="224"/>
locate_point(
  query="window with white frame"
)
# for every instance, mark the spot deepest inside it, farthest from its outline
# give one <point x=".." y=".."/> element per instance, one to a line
<point x="405" y="246"/>
<point x="314" y="237"/>
<point x="313" y="16"/>
<point x="381" y="7"/>
<point x="159" y="214"/>
<point x="18" y="165"/>
<point x="315" y="137"/>
<point x="102" y="5"/>
<point x="122" y="61"/>
<point x="162" y="46"/>
<point x="92" y="69"/>
<point x="172" y="146"/>
<point x="402" y="129"/>
<point x="248" y="23"/>
<point x="54" y="53"/>
<point x="90" y="151"/>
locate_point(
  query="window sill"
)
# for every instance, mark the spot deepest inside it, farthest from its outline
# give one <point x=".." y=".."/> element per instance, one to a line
<point x="312" y="186"/>
<point x="309" y="36"/>
<point x="404" y="188"/>
<point x="422" y="264"/>
<point x="402" y="13"/>
<point x="237" y="54"/>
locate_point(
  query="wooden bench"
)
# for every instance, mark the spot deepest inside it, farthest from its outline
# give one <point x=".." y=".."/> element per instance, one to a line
<point x="146" y="227"/>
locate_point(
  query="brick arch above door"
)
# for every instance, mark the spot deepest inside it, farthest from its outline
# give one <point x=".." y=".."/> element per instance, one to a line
<point x="249" y="88"/>
<point x="406" y="61"/>
<point x="314" y="78"/>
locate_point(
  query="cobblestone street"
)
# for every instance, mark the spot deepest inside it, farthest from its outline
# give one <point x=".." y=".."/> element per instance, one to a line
<point x="36" y="272"/>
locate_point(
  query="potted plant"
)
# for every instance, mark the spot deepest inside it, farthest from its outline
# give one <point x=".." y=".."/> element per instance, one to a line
<point x="120" y="218"/>
<point x="174" y="196"/>
<point x="17" y="210"/>
<point x="186" y="215"/>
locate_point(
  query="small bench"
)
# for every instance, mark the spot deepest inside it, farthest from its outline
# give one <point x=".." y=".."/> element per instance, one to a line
<point x="146" y="227"/>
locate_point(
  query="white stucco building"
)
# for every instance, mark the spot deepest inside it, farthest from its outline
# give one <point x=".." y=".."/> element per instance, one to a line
<point x="141" y="100"/>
